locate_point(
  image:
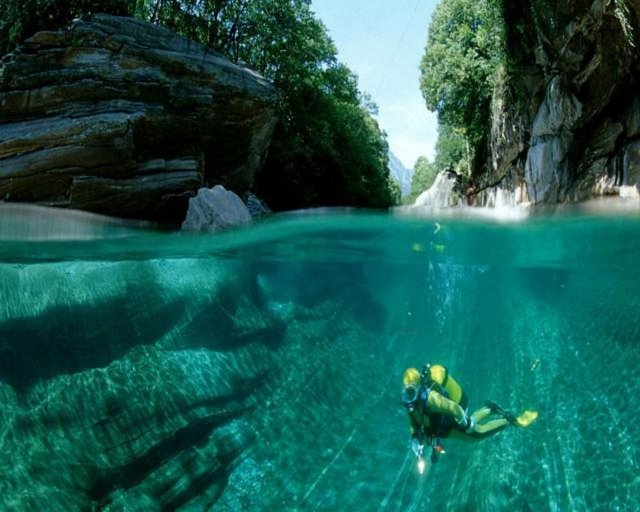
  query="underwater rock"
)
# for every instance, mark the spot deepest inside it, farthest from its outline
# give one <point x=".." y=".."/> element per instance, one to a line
<point x="150" y="385"/>
<point x="124" y="118"/>
<point x="120" y="400"/>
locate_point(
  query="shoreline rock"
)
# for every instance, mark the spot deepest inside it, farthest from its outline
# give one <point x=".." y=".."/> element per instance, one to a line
<point x="215" y="209"/>
<point x="124" y="118"/>
<point x="566" y="129"/>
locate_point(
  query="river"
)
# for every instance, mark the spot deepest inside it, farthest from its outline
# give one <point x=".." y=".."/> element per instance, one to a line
<point x="260" y="369"/>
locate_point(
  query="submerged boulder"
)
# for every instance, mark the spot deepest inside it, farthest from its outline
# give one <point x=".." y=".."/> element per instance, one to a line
<point x="121" y="117"/>
<point x="176" y="380"/>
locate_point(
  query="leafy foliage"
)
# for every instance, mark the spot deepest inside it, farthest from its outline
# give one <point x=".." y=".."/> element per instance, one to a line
<point x="327" y="148"/>
<point x="464" y="48"/>
<point x="424" y="174"/>
<point x="20" y="19"/>
<point x="332" y="155"/>
<point x="396" y="191"/>
<point x="452" y="150"/>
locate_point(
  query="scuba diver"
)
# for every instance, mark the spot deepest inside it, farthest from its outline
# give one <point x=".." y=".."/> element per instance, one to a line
<point x="437" y="408"/>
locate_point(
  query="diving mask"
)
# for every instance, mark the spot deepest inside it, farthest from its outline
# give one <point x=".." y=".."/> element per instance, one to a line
<point x="409" y="394"/>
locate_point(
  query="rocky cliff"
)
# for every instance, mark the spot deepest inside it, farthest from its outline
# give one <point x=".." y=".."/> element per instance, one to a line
<point x="400" y="174"/>
<point x="124" y="118"/>
<point x="566" y="120"/>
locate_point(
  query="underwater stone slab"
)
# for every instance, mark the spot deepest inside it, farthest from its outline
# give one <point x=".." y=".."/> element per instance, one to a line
<point x="153" y="384"/>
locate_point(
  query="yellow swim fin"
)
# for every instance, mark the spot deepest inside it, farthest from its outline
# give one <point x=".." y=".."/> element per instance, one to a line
<point x="526" y="418"/>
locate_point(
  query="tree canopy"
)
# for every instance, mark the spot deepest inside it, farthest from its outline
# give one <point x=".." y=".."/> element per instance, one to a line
<point x="424" y="174"/>
<point x="452" y="150"/>
<point x="327" y="147"/>
<point x="20" y="19"/>
<point x="464" y="49"/>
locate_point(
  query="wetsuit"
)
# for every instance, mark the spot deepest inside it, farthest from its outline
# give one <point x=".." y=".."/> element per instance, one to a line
<point x="444" y="404"/>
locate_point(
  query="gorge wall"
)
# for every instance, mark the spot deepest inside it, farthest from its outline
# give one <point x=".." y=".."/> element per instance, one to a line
<point x="566" y="118"/>
<point x="124" y="118"/>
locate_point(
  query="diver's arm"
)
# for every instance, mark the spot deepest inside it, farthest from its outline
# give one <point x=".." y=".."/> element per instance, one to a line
<point x="416" y="444"/>
<point x="413" y="425"/>
<point x="438" y="403"/>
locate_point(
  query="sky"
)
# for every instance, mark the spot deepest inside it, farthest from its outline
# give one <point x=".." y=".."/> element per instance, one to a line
<point x="382" y="41"/>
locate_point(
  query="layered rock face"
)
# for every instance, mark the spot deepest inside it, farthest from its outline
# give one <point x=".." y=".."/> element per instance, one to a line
<point x="568" y="127"/>
<point x="121" y="117"/>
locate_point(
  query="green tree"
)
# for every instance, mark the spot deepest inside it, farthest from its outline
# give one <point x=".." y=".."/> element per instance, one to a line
<point x="327" y="148"/>
<point x="452" y="150"/>
<point x="20" y="19"/>
<point x="464" y="49"/>
<point x="396" y="192"/>
<point x="424" y="174"/>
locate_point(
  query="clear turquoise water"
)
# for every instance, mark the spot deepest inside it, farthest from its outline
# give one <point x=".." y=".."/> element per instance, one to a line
<point x="259" y="369"/>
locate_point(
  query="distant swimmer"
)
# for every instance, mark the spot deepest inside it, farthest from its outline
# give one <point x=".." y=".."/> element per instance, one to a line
<point x="535" y="364"/>
<point x="437" y="408"/>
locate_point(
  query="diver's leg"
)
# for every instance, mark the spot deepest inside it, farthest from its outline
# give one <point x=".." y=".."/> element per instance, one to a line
<point x="462" y="436"/>
<point x="481" y="430"/>
<point x="489" y="428"/>
<point x="481" y="414"/>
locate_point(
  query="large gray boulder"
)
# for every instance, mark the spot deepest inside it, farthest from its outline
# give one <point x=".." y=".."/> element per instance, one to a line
<point x="215" y="209"/>
<point x="443" y="193"/>
<point x="124" y="118"/>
